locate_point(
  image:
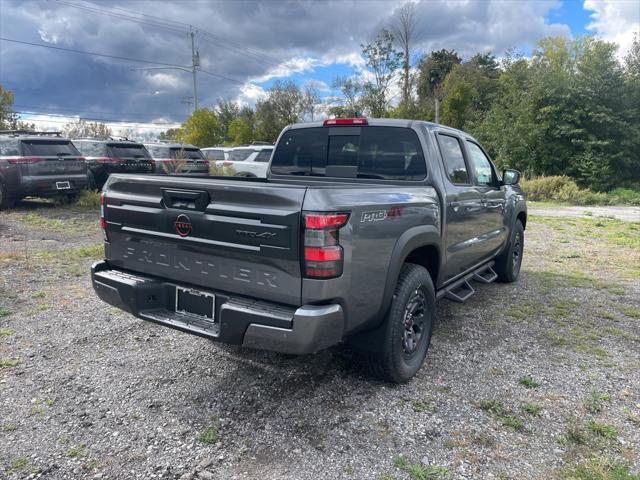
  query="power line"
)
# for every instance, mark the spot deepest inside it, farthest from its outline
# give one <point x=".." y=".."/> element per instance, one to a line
<point x="23" y="106"/>
<point x="171" y="25"/>
<point x="94" y="54"/>
<point x="116" y="57"/>
<point x="120" y="124"/>
<point x="93" y="119"/>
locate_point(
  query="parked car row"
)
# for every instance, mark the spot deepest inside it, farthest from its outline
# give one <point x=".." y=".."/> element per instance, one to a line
<point x="46" y="164"/>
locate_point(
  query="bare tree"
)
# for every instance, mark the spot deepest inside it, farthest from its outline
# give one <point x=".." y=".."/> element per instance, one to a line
<point x="403" y="27"/>
<point x="351" y="89"/>
<point x="310" y="98"/>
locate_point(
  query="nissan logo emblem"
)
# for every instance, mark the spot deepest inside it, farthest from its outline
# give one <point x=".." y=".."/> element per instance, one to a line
<point x="183" y="225"/>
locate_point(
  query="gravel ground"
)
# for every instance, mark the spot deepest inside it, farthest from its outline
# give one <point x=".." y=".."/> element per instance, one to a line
<point x="629" y="214"/>
<point x="537" y="379"/>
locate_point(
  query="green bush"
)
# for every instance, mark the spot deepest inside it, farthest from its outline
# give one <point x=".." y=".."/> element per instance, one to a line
<point x="561" y="188"/>
<point x="88" y="199"/>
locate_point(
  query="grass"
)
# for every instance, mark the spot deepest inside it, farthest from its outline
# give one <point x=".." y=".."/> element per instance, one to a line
<point x="528" y="382"/>
<point x="7" y="363"/>
<point x="19" y="463"/>
<point x="4" y="312"/>
<point x="210" y="435"/>
<point x="5" y="332"/>
<point x="597" y="468"/>
<point x="629" y="311"/>
<point x="498" y="411"/>
<point x="87" y="200"/>
<point x="522" y="311"/>
<point x="603" y="430"/>
<point x="417" y="471"/>
<point x="595" y="402"/>
<point x="9" y="427"/>
<point x="77" y="451"/>
<point x="532" y="408"/>
<point x="423" y="406"/>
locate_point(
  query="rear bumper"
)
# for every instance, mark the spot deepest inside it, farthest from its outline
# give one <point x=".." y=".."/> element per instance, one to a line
<point x="238" y="320"/>
<point x="46" y="185"/>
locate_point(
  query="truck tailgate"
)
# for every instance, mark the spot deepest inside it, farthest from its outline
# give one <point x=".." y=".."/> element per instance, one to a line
<point x="235" y="236"/>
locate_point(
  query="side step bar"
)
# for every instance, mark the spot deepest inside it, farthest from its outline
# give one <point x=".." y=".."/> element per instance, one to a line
<point x="461" y="290"/>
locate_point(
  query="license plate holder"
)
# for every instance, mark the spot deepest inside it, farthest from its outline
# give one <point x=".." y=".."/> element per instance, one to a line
<point x="63" y="185"/>
<point x="196" y="304"/>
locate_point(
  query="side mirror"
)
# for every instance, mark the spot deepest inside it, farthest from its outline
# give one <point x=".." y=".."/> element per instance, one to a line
<point x="510" y="176"/>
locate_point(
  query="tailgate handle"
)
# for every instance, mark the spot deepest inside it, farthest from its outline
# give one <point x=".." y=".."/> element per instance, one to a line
<point x="185" y="199"/>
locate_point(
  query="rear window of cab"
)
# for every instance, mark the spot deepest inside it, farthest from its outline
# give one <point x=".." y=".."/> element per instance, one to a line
<point x="388" y="153"/>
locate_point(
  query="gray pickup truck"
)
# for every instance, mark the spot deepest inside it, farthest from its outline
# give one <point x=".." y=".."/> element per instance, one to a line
<point x="360" y="226"/>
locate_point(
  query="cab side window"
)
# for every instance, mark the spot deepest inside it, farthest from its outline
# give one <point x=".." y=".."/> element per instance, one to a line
<point x="481" y="165"/>
<point x="453" y="159"/>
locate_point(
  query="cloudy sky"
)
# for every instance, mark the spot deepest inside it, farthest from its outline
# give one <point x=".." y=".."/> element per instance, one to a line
<point x="244" y="47"/>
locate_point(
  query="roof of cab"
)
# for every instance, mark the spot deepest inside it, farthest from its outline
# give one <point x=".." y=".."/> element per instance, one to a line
<point x="386" y="122"/>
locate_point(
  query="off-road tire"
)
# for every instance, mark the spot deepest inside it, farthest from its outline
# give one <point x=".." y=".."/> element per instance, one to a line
<point x="391" y="362"/>
<point x="508" y="263"/>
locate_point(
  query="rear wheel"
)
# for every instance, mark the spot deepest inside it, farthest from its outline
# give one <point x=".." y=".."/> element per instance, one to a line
<point x="408" y="327"/>
<point x="508" y="263"/>
<point x="5" y="201"/>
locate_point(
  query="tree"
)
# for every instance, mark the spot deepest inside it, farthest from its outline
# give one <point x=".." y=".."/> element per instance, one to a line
<point x="403" y="28"/>
<point x="310" y="98"/>
<point x="8" y="117"/>
<point x="282" y="107"/>
<point x="83" y="129"/>
<point x="203" y="129"/>
<point x="351" y="89"/>
<point x="227" y="111"/>
<point x="382" y="61"/>
<point x="432" y="71"/>
<point x="240" y="131"/>
<point x="174" y="134"/>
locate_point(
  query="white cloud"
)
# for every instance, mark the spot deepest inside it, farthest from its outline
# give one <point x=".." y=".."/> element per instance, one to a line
<point x="615" y="21"/>
<point x="165" y="80"/>
<point x="250" y="94"/>
<point x="288" y="68"/>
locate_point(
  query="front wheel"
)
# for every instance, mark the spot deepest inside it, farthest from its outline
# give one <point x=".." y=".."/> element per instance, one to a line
<point x="408" y="327"/>
<point x="508" y="263"/>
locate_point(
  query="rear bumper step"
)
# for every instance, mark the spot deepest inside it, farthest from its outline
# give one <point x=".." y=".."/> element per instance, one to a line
<point x="238" y="320"/>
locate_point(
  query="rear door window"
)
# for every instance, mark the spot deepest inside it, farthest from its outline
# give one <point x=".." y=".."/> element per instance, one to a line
<point x="128" y="151"/>
<point x="453" y="159"/>
<point x="158" y="151"/>
<point x="240" y="154"/>
<point x="263" y="156"/>
<point x="9" y="147"/>
<point x="214" y="154"/>
<point x="91" y="149"/>
<point x="49" y="148"/>
<point x="481" y="165"/>
<point x="388" y="153"/>
<point x="186" y="153"/>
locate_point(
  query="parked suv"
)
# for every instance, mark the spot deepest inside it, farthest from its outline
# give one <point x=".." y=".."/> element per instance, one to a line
<point x="178" y="159"/>
<point x="40" y="164"/>
<point x="248" y="161"/>
<point x="105" y="157"/>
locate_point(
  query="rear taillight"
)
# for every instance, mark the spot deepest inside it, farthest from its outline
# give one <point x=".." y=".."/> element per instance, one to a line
<point x="108" y="160"/>
<point x="103" y="222"/>
<point x="323" y="255"/>
<point x="227" y="163"/>
<point x="24" y="160"/>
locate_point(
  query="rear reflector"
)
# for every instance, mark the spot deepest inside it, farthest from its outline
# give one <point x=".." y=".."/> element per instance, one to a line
<point x="323" y="254"/>
<point x="103" y="222"/>
<point x="345" y="121"/>
<point x="24" y="160"/>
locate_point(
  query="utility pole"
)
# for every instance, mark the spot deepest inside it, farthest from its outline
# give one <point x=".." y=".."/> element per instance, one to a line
<point x="195" y="62"/>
